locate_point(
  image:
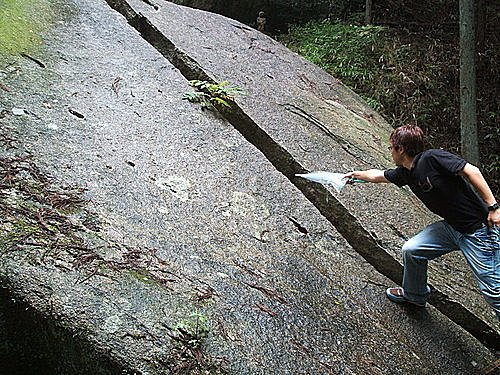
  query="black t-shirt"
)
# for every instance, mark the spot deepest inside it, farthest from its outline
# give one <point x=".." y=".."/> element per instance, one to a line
<point x="434" y="179"/>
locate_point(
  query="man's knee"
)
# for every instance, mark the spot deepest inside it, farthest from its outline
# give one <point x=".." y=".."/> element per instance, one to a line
<point x="410" y="247"/>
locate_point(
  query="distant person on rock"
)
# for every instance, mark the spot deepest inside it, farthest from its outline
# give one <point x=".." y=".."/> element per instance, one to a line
<point x="471" y="221"/>
<point x="261" y="22"/>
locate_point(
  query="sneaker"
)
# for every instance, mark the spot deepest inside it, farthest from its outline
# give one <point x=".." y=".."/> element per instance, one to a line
<point x="397" y="295"/>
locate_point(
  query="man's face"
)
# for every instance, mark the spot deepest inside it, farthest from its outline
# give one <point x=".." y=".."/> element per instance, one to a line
<point x="397" y="155"/>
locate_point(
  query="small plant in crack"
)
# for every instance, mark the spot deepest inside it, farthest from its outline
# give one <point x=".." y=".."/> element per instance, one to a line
<point x="194" y="330"/>
<point x="189" y="357"/>
<point x="213" y="95"/>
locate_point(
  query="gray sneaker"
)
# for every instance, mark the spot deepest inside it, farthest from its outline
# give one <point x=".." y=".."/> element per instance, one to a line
<point x="397" y="295"/>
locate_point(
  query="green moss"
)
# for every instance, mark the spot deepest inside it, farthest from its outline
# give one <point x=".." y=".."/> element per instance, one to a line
<point x="143" y="276"/>
<point x="24" y="227"/>
<point x="20" y="229"/>
<point x="21" y="23"/>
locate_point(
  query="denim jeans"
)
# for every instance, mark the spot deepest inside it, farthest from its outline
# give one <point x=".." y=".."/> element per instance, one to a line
<point x="481" y="250"/>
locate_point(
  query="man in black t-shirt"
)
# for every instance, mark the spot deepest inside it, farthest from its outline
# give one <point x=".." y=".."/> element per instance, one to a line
<point x="471" y="221"/>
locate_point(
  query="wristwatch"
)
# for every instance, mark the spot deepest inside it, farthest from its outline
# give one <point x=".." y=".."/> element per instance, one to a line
<point x="494" y="206"/>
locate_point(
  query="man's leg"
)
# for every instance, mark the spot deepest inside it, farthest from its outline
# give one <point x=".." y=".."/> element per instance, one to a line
<point x="482" y="251"/>
<point x="435" y="240"/>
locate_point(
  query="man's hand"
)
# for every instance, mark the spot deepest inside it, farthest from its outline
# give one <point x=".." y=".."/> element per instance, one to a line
<point x="494" y="218"/>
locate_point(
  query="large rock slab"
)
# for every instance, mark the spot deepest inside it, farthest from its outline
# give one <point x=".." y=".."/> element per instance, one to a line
<point x="320" y="124"/>
<point x="184" y="215"/>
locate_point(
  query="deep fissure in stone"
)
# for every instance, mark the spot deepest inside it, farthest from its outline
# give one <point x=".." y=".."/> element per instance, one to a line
<point x="331" y="208"/>
<point x="32" y="343"/>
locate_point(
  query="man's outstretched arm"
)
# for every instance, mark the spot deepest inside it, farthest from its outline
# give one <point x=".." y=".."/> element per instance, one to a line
<point x="370" y="175"/>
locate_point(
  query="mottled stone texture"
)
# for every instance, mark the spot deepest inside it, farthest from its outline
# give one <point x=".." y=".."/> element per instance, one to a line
<point x="193" y="218"/>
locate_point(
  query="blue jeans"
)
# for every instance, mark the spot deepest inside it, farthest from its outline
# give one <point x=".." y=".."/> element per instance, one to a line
<point x="481" y="250"/>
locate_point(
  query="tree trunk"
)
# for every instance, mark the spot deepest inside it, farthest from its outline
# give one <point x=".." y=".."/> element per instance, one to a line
<point x="480" y="26"/>
<point x="468" y="118"/>
<point x="368" y="14"/>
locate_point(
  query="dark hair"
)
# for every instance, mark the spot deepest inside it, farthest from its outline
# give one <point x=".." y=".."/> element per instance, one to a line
<point x="408" y="137"/>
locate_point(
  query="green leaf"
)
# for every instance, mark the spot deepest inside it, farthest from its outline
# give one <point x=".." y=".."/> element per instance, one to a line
<point x="221" y="101"/>
<point x="194" y="97"/>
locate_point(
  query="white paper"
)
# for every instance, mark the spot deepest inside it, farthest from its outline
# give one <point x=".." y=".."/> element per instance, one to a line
<point x="337" y="180"/>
